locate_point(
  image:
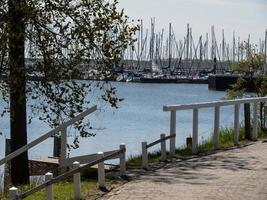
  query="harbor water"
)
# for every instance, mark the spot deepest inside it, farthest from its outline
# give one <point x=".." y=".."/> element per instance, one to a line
<point x="140" y="117"/>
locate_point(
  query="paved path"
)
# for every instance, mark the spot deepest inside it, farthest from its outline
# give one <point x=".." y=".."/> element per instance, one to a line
<point x="239" y="173"/>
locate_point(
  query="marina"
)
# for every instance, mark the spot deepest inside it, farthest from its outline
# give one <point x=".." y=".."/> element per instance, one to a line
<point x="160" y="57"/>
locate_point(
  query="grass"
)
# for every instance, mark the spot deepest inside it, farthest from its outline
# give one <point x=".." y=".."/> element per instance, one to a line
<point x="62" y="190"/>
<point x="135" y="162"/>
<point x="226" y="140"/>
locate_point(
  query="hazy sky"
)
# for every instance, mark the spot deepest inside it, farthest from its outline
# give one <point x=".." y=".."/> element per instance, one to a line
<point x="242" y="16"/>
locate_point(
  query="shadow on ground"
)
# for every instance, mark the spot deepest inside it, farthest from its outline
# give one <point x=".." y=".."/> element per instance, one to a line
<point x="197" y="170"/>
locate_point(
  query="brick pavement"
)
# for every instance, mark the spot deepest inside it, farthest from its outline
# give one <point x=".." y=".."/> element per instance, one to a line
<point x="237" y="174"/>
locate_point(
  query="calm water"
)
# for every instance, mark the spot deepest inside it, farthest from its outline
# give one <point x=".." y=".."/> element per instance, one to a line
<point x="139" y="118"/>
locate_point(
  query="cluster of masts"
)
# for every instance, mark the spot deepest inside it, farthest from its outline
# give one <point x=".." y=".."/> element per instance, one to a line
<point x="165" y="50"/>
<point x="154" y="46"/>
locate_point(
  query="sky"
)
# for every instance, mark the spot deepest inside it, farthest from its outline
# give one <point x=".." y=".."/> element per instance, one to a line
<point x="242" y="16"/>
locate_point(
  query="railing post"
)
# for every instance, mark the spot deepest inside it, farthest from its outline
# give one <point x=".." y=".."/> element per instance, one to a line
<point x="195" y="131"/>
<point x="101" y="171"/>
<point x="63" y="150"/>
<point x="172" y="132"/>
<point x="77" y="181"/>
<point x="163" y="147"/>
<point x="123" y="160"/>
<point x="247" y="121"/>
<point x="49" y="189"/>
<point x="216" y="126"/>
<point x="255" y="121"/>
<point x="144" y="155"/>
<point x="236" y="124"/>
<point x="13" y="193"/>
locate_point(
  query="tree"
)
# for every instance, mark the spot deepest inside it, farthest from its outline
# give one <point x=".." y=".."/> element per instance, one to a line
<point x="250" y="70"/>
<point x="57" y="37"/>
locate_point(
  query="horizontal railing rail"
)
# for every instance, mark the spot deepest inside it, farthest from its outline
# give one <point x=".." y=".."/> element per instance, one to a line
<point x="161" y="141"/>
<point x="47" y="135"/>
<point x="195" y="107"/>
<point x="117" y="153"/>
<point x="213" y="104"/>
<point x="86" y="158"/>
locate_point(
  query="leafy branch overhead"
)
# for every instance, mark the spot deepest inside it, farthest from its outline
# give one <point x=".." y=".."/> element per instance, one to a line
<point x="62" y="37"/>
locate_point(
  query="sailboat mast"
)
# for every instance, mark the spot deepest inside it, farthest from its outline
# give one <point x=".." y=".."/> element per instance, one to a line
<point x="213" y="50"/>
<point x="223" y="46"/>
<point x="265" y="52"/>
<point x="207" y="47"/>
<point x="191" y="44"/>
<point x="233" y="47"/>
<point x="187" y="43"/>
<point x="170" y="43"/>
<point x="142" y="40"/>
<point x="265" y="47"/>
<point x="248" y="47"/>
<point x="238" y="50"/>
<point x="200" y="48"/>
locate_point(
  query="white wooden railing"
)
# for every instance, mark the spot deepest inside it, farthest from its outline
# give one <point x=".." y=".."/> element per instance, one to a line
<point x="62" y="129"/>
<point x="163" y="152"/>
<point x="216" y="105"/>
<point x="75" y="172"/>
<point x="79" y="163"/>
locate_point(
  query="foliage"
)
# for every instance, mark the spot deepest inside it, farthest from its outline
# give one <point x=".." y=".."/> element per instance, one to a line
<point x="252" y="63"/>
<point x="61" y="37"/>
<point x="237" y="89"/>
<point x="249" y="68"/>
<point x="261" y="86"/>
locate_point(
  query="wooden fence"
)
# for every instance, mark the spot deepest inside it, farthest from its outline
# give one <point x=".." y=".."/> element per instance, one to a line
<point x="163" y="151"/>
<point x="216" y="105"/>
<point x="62" y="129"/>
<point x="75" y="172"/>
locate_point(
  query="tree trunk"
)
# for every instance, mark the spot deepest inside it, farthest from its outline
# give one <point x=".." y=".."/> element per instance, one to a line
<point x="247" y="121"/>
<point x="57" y="146"/>
<point x="18" y="123"/>
<point x="261" y="115"/>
